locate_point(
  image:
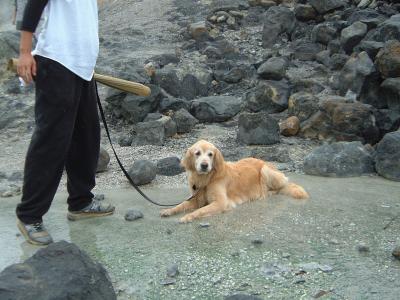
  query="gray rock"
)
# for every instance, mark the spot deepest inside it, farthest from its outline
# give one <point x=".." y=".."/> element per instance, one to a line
<point x="170" y="128"/>
<point x="168" y="281"/>
<point x="388" y="30"/>
<point x="152" y="117"/>
<point x="305" y="12"/>
<point x="257" y="241"/>
<point x="270" y="96"/>
<point x="174" y="104"/>
<point x="274" y="68"/>
<point x="368" y="16"/>
<point x="169" y="166"/>
<point x="133" y="214"/>
<point x="387" y="158"/>
<point x="302" y="105"/>
<point x="371" y="47"/>
<point x="338" y="61"/>
<point x="135" y="108"/>
<point x="66" y="271"/>
<point x="391" y="91"/>
<point x="346" y="159"/>
<point x="199" y="31"/>
<point x="185" y="122"/>
<point x="167" y="78"/>
<point x="234" y="75"/>
<point x="352" y="35"/>
<point x="16" y="176"/>
<point x="362" y="248"/>
<point x="142" y="172"/>
<point x="258" y="129"/>
<point x="104" y="160"/>
<point x="277" y="20"/>
<point x="396" y="252"/>
<point x="325" y="6"/>
<point x="204" y="225"/>
<point x="195" y="84"/>
<point x="387" y="120"/>
<point x="324" y="33"/>
<point x="172" y="270"/>
<point x="9" y="44"/>
<point x="149" y="133"/>
<point x="125" y="140"/>
<point x="324" y="57"/>
<point x="356" y="73"/>
<point x="306" y="50"/>
<point x="388" y="59"/>
<point x="215" y="108"/>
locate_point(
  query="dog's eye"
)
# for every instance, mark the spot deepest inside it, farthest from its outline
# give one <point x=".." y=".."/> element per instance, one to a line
<point x="210" y="154"/>
<point x="197" y="153"/>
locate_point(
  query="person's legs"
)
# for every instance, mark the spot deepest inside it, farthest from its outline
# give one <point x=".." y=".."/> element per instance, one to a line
<point x="82" y="159"/>
<point x="81" y="163"/>
<point x="57" y="99"/>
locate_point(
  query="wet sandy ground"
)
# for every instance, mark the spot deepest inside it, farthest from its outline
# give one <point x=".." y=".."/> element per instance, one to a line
<point x="278" y="248"/>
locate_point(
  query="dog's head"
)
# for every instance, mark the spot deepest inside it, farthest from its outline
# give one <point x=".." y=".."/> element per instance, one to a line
<point x="203" y="158"/>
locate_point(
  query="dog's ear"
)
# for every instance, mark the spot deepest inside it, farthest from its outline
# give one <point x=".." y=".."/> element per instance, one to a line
<point x="187" y="161"/>
<point x="219" y="161"/>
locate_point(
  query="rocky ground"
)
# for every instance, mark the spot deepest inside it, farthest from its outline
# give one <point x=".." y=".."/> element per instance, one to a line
<point x="233" y="72"/>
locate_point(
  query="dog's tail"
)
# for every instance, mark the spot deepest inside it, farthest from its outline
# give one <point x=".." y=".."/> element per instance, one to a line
<point x="278" y="182"/>
<point x="294" y="190"/>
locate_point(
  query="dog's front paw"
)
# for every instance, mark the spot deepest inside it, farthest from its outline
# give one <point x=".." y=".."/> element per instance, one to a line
<point x="186" y="219"/>
<point x="166" y="212"/>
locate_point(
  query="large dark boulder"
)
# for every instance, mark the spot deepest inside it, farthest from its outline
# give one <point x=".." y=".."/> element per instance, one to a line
<point x="270" y="96"/>
<point x="169" y="166"/>
<point x="149" y="133"/>
<point x="59" y="271"/>
<point x="324" y="33"/>
<point x="303" y="105"/>
<point x="215" y="108"/>
<point x="388" y="30"/>
<point x="273" y="69"/>
<point x="352" y="35"/>
<point x="305" y="12"/>
<point x="388" y="59"/>
<point x="324" y="6"/>
<point x="339" y="120"/>
<point x="258" y="129"/>
<point x="391" y="92"/>
<point x="387" y="158"/>
<point x="185" y="122"/>
<point x="277" y="20"/>
<point x="343" y="159"/>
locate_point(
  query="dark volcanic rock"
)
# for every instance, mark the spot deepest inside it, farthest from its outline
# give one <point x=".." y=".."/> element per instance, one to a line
<point x="277" y="20"/>
<point x="306" y="50"/>
<point x="274" y="68"/>
<point x="391" y="91"/>
<point x="324" y="6"/>
<point x="173" y="104"/>
<point x="355" y="73"/>
<point x="258" y="129"/>
<point x="388" y="30"/>
<point x="339" y="120"/>
<point x="59" y="271"/>
<point x="169" y="166"/>
<point x="104" y="160"/>
<point x="387" y="120"/>
<point x="305" y="12"/>
<point x="303" y="105"/>
<point x="324" y="33"/>
<point x="388" y="59"/>
<point x="270" y="96"/>
<point x="142" y="172"/>
<point x="184" y="121"/>
<point x="352" y="35"/>
<point x="149" y="133"/>
<point x="343" y="159"/>
<point x="387" y="158"/>
<point x="133" y="214"/>
<point x="215" y="108"/>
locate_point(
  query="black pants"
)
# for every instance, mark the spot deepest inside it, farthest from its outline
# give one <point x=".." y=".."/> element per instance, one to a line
<point x="67" y="134"/>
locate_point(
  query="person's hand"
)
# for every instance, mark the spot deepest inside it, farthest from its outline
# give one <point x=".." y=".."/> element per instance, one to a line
<point x="26" y="67"/>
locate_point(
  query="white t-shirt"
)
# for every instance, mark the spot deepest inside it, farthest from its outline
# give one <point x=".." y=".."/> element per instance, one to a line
<point x="70" y="35"/>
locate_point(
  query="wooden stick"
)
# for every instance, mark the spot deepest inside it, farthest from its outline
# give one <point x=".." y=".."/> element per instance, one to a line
<point x="117" y="83"/>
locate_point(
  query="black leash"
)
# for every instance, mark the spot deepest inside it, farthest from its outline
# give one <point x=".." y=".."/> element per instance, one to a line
<point x="103" y="117"/>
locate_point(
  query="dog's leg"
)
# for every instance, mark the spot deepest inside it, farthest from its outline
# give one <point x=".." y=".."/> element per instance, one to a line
<point x="184" y="206"/>
<point x="209" y="210"/>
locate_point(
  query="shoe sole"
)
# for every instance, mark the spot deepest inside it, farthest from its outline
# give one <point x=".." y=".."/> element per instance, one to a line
<point x="80" y="216"/>
<point x="27" y="237"/>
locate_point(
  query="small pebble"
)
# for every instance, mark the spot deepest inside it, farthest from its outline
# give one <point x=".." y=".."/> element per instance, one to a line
<point x="133" y="214"/>
<point x="204" y="225"/>
<point x="168" y="281"/>
<point x="299" y="281"/>
<point x="99" y="197"/>
<point x="257" y="241"/>
<point x="169" y="231"/>
<point x="285" y="255"/>
<point x="172" y="270"/>
<point x="396" y="252"/>
<point x="326" y="268"/>
<point x="362" y="248"/>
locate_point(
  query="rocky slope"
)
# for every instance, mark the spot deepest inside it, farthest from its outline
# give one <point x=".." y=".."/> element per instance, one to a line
<point x="232" y="72"/>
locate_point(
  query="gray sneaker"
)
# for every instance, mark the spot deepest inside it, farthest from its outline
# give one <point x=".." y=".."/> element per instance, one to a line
<point x="95" y="209"/>
<point x="35" y="233"/>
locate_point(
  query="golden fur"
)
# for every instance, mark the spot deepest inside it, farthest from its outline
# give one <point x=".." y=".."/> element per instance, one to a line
<point x="219" y="186"/>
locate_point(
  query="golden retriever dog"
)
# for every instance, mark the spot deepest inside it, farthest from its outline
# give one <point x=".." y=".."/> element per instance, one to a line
<point x="218" y="186"/>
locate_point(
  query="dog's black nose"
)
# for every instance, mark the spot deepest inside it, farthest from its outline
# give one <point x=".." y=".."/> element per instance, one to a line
<point x="204" y="166"/>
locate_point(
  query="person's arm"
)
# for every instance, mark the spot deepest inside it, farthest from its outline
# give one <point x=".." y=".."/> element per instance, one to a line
<point x="26" y="63"/>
